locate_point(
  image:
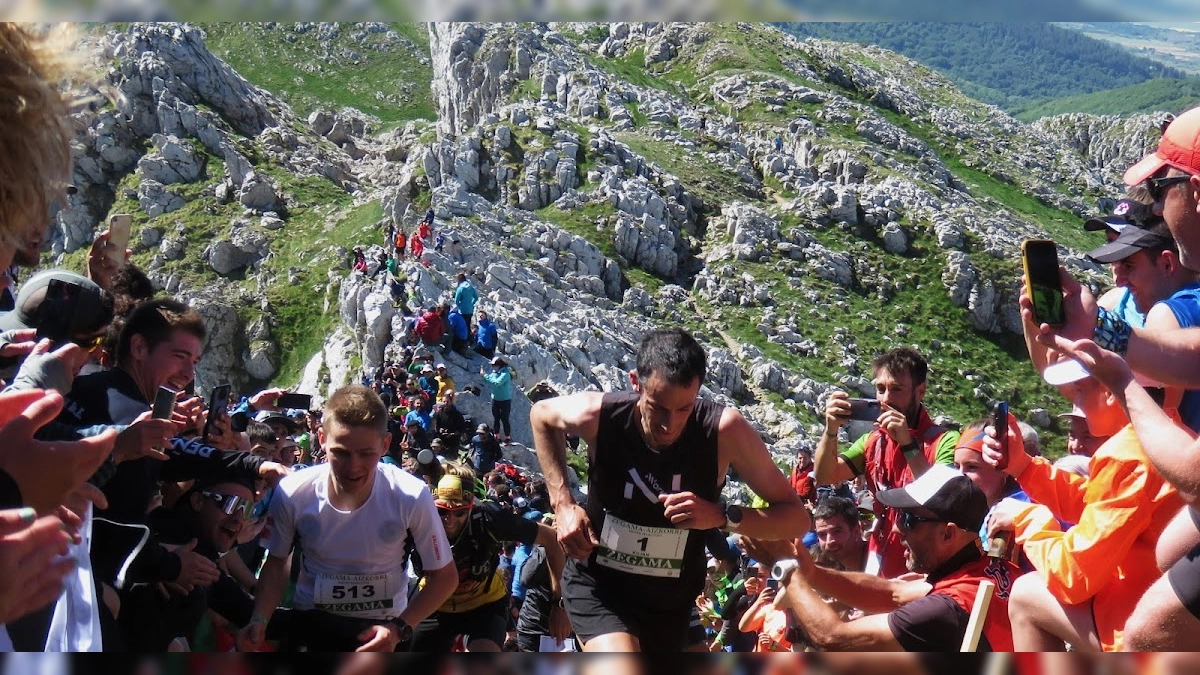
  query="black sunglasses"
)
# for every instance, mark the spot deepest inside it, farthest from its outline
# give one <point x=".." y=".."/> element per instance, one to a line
<point x="909" y="520"/>
<point x="1156" y="186"/>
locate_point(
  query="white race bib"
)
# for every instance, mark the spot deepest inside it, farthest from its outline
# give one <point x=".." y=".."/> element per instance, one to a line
<point x="368" y="596"/>
<point x="637" y="549"/>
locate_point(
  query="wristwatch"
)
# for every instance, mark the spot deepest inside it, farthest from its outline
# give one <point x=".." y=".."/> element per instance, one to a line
<point x="733" y="518"/>
<point x="403" y="631"/>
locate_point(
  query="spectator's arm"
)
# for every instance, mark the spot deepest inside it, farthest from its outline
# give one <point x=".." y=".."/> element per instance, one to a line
<point x="826" y="628"/>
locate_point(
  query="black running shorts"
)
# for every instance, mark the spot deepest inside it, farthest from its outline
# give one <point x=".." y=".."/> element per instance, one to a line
<point x="438" y="632"/>
<point x="1184" y="576"/>
<point x="596" y="611"/>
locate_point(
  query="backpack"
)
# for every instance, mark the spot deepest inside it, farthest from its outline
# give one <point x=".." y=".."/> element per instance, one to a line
<point x="512" y="473"/>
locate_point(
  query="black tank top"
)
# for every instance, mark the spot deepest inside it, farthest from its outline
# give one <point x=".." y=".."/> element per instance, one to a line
<point x="689" y="465"/>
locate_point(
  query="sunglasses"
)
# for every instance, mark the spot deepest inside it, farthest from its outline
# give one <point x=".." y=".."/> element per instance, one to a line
<point x="909" y="520"/>
<point x="453" y="513"/>
<point x="88" y="344"/>
<point x="1157" y="186"/>
<point x="231" y="504"/>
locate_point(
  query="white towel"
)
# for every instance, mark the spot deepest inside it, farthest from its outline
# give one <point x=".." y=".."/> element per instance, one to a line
<point x="75" y="626"/>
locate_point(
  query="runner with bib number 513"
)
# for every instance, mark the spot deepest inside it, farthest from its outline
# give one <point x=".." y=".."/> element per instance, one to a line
<point x="657" y="459"/>
<point x="351" y="518"/>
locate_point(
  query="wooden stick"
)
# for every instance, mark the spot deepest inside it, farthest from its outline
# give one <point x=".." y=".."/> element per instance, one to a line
<point x="983" y="598"/>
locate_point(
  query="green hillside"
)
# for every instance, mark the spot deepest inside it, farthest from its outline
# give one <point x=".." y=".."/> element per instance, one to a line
<point x="1161" y="94"/>
<point x="1011" y="65"/>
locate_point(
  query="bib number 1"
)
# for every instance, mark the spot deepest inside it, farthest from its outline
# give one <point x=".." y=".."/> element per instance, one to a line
<point x="642" y="550"/>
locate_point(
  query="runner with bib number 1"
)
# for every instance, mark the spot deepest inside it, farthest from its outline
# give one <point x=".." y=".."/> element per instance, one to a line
<point x="657" y="459"/>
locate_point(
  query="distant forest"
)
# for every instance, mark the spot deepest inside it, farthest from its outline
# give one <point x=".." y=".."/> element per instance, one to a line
<point x="1011" y="65"/>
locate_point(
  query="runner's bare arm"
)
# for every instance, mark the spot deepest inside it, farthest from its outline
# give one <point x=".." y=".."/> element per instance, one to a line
<point x="739" y="444"/>
<point x="548" y="538"/>
<point x="439" y="586"/>
<point x="552" y="419"/>
<point x="272" y="581"/>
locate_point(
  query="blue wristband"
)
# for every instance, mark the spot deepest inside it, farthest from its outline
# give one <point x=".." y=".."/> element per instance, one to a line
<point x="1112" y="332"/>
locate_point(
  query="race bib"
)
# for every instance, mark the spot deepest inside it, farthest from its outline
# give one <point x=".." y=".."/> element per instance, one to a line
<point x="637" y="549"/>
<point x="356" y="595"/>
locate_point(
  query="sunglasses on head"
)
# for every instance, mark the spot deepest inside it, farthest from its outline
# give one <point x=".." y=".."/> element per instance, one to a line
<point x="231" y="504"/>
<point x="909" y="520"/>
<point x="1157" y="186"/>
<point x="89" y="343"/>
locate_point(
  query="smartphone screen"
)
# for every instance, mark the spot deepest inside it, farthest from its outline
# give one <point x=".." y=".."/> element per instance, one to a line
<point x="119" y="227"/>
<point x="164" y="404"/>
<point x="217" y="406"/>
<point x="1040" y="258"/>
<point x="865" y="409"/>
<point x="57" y="312"/>
<point x="294" y="401"/>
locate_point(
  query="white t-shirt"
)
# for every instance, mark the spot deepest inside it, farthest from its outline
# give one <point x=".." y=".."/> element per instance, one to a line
<point x="354" y="561"/>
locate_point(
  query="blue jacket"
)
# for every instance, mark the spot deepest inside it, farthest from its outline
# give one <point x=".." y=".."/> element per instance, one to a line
<point x="485" y="334"/>
<point x="458" y="324"/>
<point x="501" y="381"/>
<point x="465" y="297"/>
<point x="423" y="418"/>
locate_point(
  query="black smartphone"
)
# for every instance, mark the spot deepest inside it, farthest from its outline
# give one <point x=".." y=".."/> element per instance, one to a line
<point x="164" y="404"/>
<point x="294" y="401"/>
<point x="56" y="314"/>
<point x="1040" y="260"/>
<point x="218" y="403"/>
<point x="865" y="409"/>
<point x="772" y="583"/>
<point x="999" y="420"/>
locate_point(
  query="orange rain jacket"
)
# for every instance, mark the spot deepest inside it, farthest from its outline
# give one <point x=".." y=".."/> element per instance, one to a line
<point x="1108" y="556"/>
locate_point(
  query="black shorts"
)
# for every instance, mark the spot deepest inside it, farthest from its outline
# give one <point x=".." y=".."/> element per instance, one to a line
<point x="438" y="632"/>
<point x="595" y="610"/>
<point x="1184" y="576"/>
<point x="318" y="631"/>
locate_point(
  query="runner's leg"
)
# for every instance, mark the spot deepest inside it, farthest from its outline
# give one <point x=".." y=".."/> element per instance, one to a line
<point x="1167" y="618"/>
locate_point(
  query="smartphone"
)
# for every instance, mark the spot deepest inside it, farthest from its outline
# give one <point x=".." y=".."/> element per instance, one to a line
<point x="865" y="409"/>
<point x="56" y="314"/>
<point x="1040" y="259"/>
<point x="217" y="407"/>
<point x="119" y="227"/>
<point x="772" y="583"/>
<point x="294" y="401"/>
<point x="164" y="404"/>
<point x="999" y="420"/>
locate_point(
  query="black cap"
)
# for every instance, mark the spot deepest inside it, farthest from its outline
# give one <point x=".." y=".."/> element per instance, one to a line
<point x="93" y="313"/>
<point x="1127" y="212"/>
<point x="1130" y="241"/>
<point x="946" y="493"/>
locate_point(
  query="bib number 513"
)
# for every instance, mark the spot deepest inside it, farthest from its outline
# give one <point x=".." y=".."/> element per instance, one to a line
<point x="342" y="592"/>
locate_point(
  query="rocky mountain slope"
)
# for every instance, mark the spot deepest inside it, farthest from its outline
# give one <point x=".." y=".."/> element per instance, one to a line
<point x="801" y="206"/>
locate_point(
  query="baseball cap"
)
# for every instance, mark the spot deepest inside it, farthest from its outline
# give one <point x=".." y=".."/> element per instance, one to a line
<point x="1179" y="147"/>
<point x="441" y="366"/>
<point x="93" y="312"/>
<point x="450" y="493"/>
<point x="1074" y="412"/>
<point x="946" y="493"/>
<point x="426" y="368"/>
<point x="267" y="416"/>
<point x="497" y="360"/>
<point x="1130" y="241"/>
<point x="1065" y="371"/>
<point x="482" y="429"/>
<point x="1126" y="212"/>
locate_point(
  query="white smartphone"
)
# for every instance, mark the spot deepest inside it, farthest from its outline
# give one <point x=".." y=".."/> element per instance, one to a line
<point x="119" y="227"/>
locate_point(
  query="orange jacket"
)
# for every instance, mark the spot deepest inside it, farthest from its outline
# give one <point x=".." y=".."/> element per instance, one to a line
<point x="1108" y="556"/>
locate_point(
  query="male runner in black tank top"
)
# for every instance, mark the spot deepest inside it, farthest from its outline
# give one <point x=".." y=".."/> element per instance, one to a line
<point x="657" y="460"/>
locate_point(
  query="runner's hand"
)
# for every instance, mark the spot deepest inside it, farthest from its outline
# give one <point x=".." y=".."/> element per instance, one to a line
<point x="560" y="624"/>
<point x="686" y="511"/>
<point x="768" y="552"/>
<point x="575" y="533"/>
<point x="253" y="637"/>
<point x="378" y="638"/>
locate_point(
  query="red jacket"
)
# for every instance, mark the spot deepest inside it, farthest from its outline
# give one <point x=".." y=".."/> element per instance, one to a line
<point x="430" y="327"/>
<point x="803" y="484"/>
<point x="963" y="584"/>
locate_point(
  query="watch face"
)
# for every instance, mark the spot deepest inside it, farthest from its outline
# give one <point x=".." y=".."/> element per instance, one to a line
<point x="734" y="513"/>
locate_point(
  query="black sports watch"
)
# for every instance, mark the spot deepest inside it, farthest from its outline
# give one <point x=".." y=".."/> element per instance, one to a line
<point x="733" y="518"/>
<point x="403" y="631"/>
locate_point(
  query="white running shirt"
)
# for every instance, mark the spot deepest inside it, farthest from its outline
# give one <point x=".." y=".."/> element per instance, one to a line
<point x="354" y="563"/>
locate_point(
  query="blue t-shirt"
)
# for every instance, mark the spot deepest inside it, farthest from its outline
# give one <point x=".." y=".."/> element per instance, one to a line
<point x="1185" y="305"/>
